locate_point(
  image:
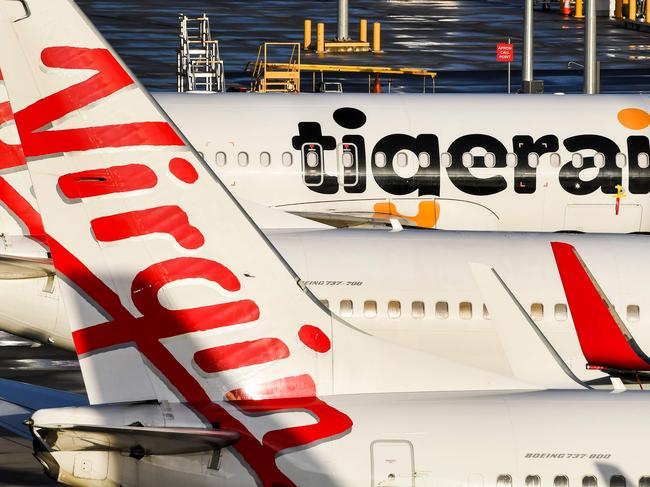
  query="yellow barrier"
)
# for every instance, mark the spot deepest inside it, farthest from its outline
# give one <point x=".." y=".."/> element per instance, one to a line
<point x="307" y="43"/>
<point x="618" y="12"/>
<point x="363" y="30"/>
<point x="376" y="37"/>
<point x="632" y="7"/>
<point x="320" y="38"/>
<point x="579" y="10"/>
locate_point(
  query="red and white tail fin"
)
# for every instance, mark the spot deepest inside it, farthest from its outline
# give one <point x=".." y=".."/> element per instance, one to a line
<point x="605" y="340"/>
<point x="20" y="216"/>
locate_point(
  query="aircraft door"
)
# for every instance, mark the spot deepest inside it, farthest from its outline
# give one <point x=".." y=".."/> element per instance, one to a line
<point x="392" y="463"/>
<point x="313" y="164"/>
<point x="348" y="159"/>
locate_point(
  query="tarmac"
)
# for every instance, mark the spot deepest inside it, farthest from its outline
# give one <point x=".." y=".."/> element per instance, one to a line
<point x="455" y="38"/>
<point x="17" y="466"/>
<point x="44" y="366"/>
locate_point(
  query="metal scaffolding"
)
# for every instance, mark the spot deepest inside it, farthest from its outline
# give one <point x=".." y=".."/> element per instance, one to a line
<point x="199" y="66"/>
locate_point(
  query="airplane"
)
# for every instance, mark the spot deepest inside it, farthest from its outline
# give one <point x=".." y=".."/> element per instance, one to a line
<point x="361" y="159"/>
<point x="487" y="166"/>
<point x="429" y="303"/>
<point x="205" y="358"/>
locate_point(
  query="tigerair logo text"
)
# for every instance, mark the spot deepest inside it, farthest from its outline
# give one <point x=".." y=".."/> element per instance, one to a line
<point x="355" y="170"/>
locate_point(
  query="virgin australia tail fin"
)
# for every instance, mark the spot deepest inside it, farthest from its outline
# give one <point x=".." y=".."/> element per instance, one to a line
<point x="22" y="217"/>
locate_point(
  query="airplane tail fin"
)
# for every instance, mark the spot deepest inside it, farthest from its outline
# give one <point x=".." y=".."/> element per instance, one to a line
<point x="16" y="198"/>
<point x="606" y="342"/>
<point x="526" y="347"/>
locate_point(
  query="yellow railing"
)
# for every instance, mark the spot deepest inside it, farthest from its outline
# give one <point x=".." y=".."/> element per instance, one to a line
<point x="278" y="77"/>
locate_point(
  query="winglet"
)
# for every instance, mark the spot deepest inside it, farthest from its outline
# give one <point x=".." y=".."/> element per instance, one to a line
<point x="526" y="347"/>
<point x="605" y="341"/>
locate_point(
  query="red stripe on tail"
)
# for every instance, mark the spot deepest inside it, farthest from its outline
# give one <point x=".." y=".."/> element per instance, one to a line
<point x="601" y="339"/>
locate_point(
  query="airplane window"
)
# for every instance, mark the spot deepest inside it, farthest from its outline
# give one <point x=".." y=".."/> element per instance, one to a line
<point x="312" y="158"/>
<point x="287" y="159"/>
<point x="417" y="310"/>
<point x="589" y="481"/>
<point x="599" y="160"/>
<point x="490" y="160"/>
<point x="486" y="313"/>
<point x="643" y="160"/>
<point x="560" y="311"/>
<point x="445" y="159"/>
<point x="442" y="310"/>
<point x="402" y="159"/>
<point x="424" y="159"/>
<point x="576" y="160"/>
<point x="617" y="481"/>
<point x="242" y="159"/>
<point x="621" y="160"/>
<point x="561" y="481"/>
<point x="221" y="159"/>
<point x="632" y="312"/>
<point x="468" y="159"/>
<point x="533" y="159"/>
<point x="465" y="310"/>
<point x="370" y="309"/>
<point x="644" y="481"/>
<point x="511" y="159"/>
<point x="533" y="481"/>
<point x="556" y="160"/>
<point x="347" y="159"/>
<point x="265" y="159"/>
<point x="380" y="159"/>
<point x="325" y="303"/>
<point x="394" y="309"/>
<point x="345" y="308"/>
<point x="537" y="311"/>
<point x="504" y="481"/>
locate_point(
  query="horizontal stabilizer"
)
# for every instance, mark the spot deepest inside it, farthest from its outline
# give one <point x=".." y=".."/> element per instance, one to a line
<point x="136" y="439"/>
<point x="353" y="219"/>
<point x="12" y="267"/>
<point x="605" y="341"/>
<point x="526" y="347"/>
<point x="19" y="400"/>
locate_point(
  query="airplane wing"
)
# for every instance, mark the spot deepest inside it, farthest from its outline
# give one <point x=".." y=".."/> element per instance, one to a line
<point x="134" y="438"/>
<point x="15" y="267"/>
<point x="605" y="341"/>
<point x="19" y="400"/>
<point x="531" y="356"/>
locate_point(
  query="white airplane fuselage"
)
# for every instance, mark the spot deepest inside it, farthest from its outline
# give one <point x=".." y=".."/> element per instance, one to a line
<point x="397" y="440"/>
<point x="416" y="288"/>
<point x="547" y="163"/>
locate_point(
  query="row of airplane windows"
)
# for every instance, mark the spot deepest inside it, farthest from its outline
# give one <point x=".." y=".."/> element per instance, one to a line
<point x="563" y="481"/>
<point x="418" y="310"/>
<point x="424" y="159"/>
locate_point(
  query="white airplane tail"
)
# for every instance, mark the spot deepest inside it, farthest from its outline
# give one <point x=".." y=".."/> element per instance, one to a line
<point x="15" y="184"/>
